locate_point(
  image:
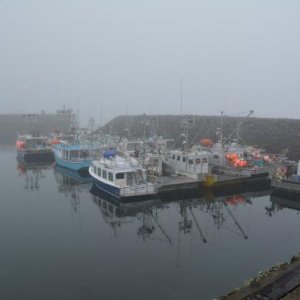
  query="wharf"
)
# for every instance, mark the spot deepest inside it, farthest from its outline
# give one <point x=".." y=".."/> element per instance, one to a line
<point x="281" y="282"/>
<point x="287" y="188"/>
<point x="173" y="183"/>
<point x="219" y="182"/>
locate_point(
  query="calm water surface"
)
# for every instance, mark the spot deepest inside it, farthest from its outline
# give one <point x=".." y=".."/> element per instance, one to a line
<point x="59" y="241"/>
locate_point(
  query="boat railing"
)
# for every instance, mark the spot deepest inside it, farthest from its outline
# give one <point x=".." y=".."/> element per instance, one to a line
<point x="80" y="159"/>
<point x="121" y="165"/>
<point x="35" y="150"/>
<point x="141" y="189"/>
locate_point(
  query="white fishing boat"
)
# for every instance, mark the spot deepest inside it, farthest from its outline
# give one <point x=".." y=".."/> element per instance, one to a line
<point x="193" y="164"/>
<point x="236" y="160"/>
<point x="121" y="177"/>
<point x="149" y="153"/>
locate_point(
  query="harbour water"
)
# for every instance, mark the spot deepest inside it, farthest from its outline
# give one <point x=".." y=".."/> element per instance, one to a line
<point x="60" y="241"/>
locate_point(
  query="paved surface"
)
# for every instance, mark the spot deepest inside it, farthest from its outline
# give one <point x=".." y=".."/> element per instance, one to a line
<point x="294" y="295"/>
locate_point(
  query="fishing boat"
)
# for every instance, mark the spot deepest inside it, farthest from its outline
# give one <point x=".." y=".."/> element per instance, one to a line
<point x="149" y="153"/>
<point x="193" y="163"/>
<point x="286" y="184"/>
<point x="188" y="161"/>
<point x="77" y="157"/>
<point x="34" y="149"/>
<point x="121" y="177"/>
<point x="235" y="160"/>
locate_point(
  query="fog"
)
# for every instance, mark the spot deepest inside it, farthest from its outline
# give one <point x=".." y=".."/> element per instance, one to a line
<point x="105" y="58"/>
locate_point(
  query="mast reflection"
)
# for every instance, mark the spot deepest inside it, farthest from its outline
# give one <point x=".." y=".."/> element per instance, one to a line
<point x="221" y="211"/>
<point x="32" y="173"/>
<point x="71" y="184"/>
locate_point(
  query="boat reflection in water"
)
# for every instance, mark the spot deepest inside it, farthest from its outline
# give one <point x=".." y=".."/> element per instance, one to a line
<point x="72" y="184"/>
<point x="32" y="173"/>
<point x="279" y="203"/>
<point x="199" y="217"/>
<point x="116" y="214"/>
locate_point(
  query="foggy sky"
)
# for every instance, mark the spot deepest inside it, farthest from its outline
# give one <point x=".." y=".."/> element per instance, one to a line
<point x="106" y="57"/>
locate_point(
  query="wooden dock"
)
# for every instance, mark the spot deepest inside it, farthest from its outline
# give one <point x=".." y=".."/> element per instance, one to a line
<point x="291" y="187"/>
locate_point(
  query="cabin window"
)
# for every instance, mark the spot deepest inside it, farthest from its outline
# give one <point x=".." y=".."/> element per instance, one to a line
<point x="110" y="176"/>
<point x="74" y="154"/>
<point x="120" y="176"/>
<point x="173" y="156"/>
<point x="104" y="204"/>
<point x="99" y="172"/>
<point x="191" y="161"/>
<point x="95" y="170"/>
<point x="216" y="156"/>
<point x="198" y="161"/>
<point x="184" y="159"/>
<point x="204" y="160"/>
<point x="110" y="208"/>
<point x="84" y="154"/>
<point x="104" y="174"/>
<point x="178" y="157"/>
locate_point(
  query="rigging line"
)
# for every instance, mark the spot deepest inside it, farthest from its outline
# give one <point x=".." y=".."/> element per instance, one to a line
<point x="200" y="231"/>
<point x="233" y="231"/>
<point x="241" y="113"/>
<point x="236" y="222"/>
<point x="160" y="227"/>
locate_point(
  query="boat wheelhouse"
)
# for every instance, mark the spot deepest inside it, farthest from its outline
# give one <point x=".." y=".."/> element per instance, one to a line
<point x="235" y="160"/>
<point x="192" y="164"/>
<point x="34" y="149"/>
<point x="121" y="177"/>
<point x="77" y="157"/>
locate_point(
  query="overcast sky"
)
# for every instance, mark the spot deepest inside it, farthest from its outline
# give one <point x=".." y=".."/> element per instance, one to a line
<point x="102" y="56"/>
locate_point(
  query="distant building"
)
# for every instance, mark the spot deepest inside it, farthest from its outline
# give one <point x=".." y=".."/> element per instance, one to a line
<point x="13" y="124"/>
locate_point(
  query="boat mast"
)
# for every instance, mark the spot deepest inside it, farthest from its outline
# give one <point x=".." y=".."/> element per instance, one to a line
<point x="181" y="83"/>
<point x="221" y="132"/>
<point x="186" y="124"/>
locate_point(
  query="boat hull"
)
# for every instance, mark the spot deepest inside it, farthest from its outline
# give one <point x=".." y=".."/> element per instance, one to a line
<point x="35" y="157"/>
<point x="114" y="192"/>
<point x="81" y="167"/>
<point x="76" y="176"/>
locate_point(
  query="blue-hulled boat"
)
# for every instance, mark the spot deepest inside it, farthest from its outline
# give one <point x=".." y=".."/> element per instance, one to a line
<point x="121" y="177"/>
<point x="77" y="157"/>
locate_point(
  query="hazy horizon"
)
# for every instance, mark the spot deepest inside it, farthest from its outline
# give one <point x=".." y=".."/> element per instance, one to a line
<point x="107" y="58"/>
